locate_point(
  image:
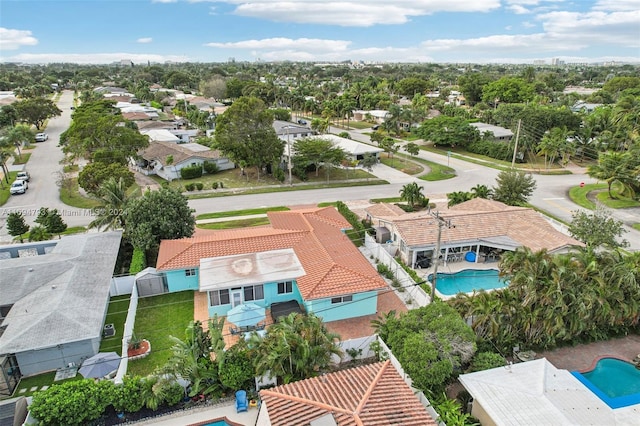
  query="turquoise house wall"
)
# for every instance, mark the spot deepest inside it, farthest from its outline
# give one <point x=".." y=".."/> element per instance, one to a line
<point x="178" y="281"/>
<point x="362" y="304"/>
<point x="270" y="296"/>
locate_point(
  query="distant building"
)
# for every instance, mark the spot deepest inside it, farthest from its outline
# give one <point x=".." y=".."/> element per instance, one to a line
<point x="499" y="133"/>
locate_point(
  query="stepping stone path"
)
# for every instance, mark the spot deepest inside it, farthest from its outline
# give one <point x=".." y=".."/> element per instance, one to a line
<point x="33" y="389"/>
<point x="23" y="390"/>
<point x="44" y="388"/>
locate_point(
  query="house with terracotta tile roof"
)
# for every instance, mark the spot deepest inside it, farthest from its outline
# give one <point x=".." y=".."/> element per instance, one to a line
<point x="302" y="257"/>
<point x="373" y="394"/>
<point x="485" y="228"/>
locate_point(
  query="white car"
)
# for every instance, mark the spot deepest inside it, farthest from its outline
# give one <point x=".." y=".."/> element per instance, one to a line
<point x="19" y="187"/>
<point x="23" y="176"/>
<point x="41" y="137"/>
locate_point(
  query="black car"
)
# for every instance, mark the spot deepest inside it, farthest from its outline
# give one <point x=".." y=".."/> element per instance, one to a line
<point x="303" y="122"/>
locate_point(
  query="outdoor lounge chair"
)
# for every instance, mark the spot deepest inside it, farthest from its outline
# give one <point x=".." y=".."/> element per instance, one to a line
<point x="241" y="401"/>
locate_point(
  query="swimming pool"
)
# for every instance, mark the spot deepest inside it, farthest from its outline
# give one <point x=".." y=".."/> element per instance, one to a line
<point x="467" y="280"/>
<point x="614" y="381"/>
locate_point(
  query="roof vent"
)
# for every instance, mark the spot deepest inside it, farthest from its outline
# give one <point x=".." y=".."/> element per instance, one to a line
<point x="53" y="287"/>
<point x="30" y="269"/>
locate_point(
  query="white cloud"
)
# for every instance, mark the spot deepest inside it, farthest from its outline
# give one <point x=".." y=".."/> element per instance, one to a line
<point x="283" y="44"/>
<point x="593" y="28"/>
<point x="518" y="10"/>
<point x="144" y="40"/>
<point x="617" y="5"/>
<point x="508" y="28"/>
<point x="528" y="24"/>
<point x="14" y="39"/>
<point x="352" y="13"/>
<point x="164" y="1"/>
<point x="92" y="58"/>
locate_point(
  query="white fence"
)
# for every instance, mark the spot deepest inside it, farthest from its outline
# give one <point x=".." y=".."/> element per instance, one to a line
<point x="423" y="399"/>
<point x="126" y="335"/>
<point x="418" y="295"/>
<point x="122" y="285"/>
<point x="361" y="343"/>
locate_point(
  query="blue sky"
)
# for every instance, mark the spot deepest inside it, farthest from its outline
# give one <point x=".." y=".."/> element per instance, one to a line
<point x="469" y="31"/>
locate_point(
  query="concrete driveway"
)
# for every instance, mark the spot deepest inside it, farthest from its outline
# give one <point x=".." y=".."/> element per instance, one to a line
<point x="44" y="165"/>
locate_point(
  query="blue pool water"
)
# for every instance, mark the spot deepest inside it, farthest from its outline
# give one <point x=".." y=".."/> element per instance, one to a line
<point x="217" y="423"/>
<point x="467" y="280"/>
<point x="614" y="381"/>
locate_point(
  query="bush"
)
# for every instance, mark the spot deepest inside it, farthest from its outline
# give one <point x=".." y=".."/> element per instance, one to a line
<point x="190" y="186"/>
<point x="138" y="261"/>
<point x="358" y="232"/>
<point x="191" y="172"/>
<point x="199" y="186"/>
<point x="210" y="167"/>
<point x="486" y="360"/>
<point x="278" y="174"/>
<point x="214" y="185"/>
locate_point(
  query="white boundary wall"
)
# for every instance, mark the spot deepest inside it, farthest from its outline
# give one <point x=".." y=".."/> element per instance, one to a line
<point x="122" y="285"/>
<point x="126" y="335"/>
<point x="417" y="294"/>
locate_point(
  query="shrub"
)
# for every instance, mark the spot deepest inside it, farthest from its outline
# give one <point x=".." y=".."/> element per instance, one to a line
<point x="214" y="185"/>
<point x="486" y="360"/>
<point x="278" y="174"/>
<point x="199" y="186"/>
<point x="138" y="261"/>
<point x="210" y="167"/>
<point x="191" y="172"/>
<point x="190" y="186"/>
<point x="357" y="233"/>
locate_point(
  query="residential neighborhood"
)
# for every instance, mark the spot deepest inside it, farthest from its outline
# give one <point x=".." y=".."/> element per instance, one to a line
<point x="256" y="251"/>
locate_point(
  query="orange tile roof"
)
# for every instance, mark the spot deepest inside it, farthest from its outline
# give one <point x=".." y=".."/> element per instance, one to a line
<point x="479" y="219"/>
<point x="373" y="394"/>
<point x="333" y="265"/>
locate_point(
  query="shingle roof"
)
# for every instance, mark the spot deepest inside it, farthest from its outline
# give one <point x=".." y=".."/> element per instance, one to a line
<point x="62" y="295"/>
<point x="333" y="265"/>
<point x="373" y="394"/>
<point x="481" y="219"/>
<point x="159" y="151"/>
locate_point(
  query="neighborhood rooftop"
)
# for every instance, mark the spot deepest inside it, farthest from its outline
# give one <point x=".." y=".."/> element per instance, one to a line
<point x="373" y="394"/>
<point x="60" y="296"/>
<point x="328" y="257"/>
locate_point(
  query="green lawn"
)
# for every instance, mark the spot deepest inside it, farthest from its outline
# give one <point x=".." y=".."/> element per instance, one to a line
<point x="71" y="196"/>
<point x="157" y="318"/>
<point x="238" y="223"/>
<point x="45" y="379"/>
<point x="116" y="315"/>
<point x="4" y="189"/>
<point x="579" y="195"/>
<point x="241" y="212"/>
<point x="22" y="159"/>
<point x="400" y="163"/>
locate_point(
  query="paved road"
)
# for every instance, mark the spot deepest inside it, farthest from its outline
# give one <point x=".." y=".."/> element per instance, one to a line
<point x="43" y="166"/>
<point x="551" y="194"/>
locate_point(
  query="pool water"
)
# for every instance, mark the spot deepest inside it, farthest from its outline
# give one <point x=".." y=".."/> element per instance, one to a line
<point x="614" y="381"/>
<point x="217" y="423"/>
<point x="467" y="280"/>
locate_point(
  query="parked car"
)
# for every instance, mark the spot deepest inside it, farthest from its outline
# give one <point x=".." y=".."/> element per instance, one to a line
<point x="41" y="137"/>
<point x="303" y="122"/>
<point x="375" y="127"/>
<point x="23" y="176"/>
<point x="18" y="187"/>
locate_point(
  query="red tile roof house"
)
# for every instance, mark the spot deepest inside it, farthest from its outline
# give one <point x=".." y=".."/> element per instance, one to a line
<point x="373" y="394"/>
<point x="484" y="227"/>
<point x="303" y="257"/>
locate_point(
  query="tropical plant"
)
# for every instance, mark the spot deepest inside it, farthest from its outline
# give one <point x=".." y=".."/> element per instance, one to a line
<point x="51" y="221"/>
<point x="514" y="187"/>
<point x="412" y="194"/>
<point x="597" y="228"/>
<point x="39" y="233"/>
<point x="297" y="347"/>
<point x="458" y="197"/>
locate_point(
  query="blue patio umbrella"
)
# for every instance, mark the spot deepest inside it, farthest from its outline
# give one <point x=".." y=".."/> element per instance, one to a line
<point x="246" y="315"/>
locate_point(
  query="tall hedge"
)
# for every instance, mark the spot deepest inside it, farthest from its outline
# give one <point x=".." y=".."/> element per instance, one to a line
<point x="357" y="233"/>
<point x="138" y="261"/>
<point x="191" y="172"/>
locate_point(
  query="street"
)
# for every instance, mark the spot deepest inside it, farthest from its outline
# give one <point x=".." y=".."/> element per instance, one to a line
<point x="550" y="195"/>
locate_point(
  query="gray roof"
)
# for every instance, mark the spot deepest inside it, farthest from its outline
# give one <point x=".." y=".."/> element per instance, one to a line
<point x="350" y="146"/>
<point x="538" y="393"/>
<point x="498" y="132"/>
<point x="58" y="297"/>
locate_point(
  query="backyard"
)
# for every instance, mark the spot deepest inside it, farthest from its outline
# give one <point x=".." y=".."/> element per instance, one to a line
<point x="157" y="318"/>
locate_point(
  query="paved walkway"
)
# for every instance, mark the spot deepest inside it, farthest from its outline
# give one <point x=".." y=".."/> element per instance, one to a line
<point x="582" y="357"/>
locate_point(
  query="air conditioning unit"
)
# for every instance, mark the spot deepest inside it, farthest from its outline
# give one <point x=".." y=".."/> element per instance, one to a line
<point x="108" y="330"/>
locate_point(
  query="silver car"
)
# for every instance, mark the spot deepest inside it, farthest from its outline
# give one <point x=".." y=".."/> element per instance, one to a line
<point x="19" y="187"/>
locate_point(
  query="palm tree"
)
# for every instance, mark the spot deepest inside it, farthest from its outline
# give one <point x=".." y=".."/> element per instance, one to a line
<point x="113" y="197"/>
<point x="297" y="347"/>
<point x="412" y="193"/>
<point x="19" y="135"/>
<point x="610" y="167"/>
<point x="458" y="197"/>
<point x="481" y="191"/>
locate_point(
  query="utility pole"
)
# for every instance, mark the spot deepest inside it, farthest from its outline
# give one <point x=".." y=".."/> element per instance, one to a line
<point x="436" y="254"/>
<point x="289" y="157"/>
<point x="515" y="148"/>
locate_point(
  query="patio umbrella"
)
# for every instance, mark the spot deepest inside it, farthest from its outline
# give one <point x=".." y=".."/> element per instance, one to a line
<point x="100" y="365"/>
<point x="246" y="315"/>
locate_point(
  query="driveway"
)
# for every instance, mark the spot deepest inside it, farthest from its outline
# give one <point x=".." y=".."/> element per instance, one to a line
<point x="44" y="166"/>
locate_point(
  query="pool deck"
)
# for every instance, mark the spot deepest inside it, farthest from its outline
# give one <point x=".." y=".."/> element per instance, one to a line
<point x="205" y="414"/>
<point x="583" y="357"/>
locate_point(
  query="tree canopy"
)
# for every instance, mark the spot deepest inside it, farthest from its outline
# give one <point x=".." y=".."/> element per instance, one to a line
<point x="158" y="215"/>
<point x="514" y="187"/>
<point x="245" y="134"/>
<point x="448" y="131"/>
<point x="36" y="111"/>
<point x="316" y="152"/>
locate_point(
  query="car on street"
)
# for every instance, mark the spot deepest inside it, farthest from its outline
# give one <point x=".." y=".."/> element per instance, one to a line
<point x="302" y="122"/>
<point x="41" y="137"/>
<point x="19" y="187"/>
<point x="23" y="176"/>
